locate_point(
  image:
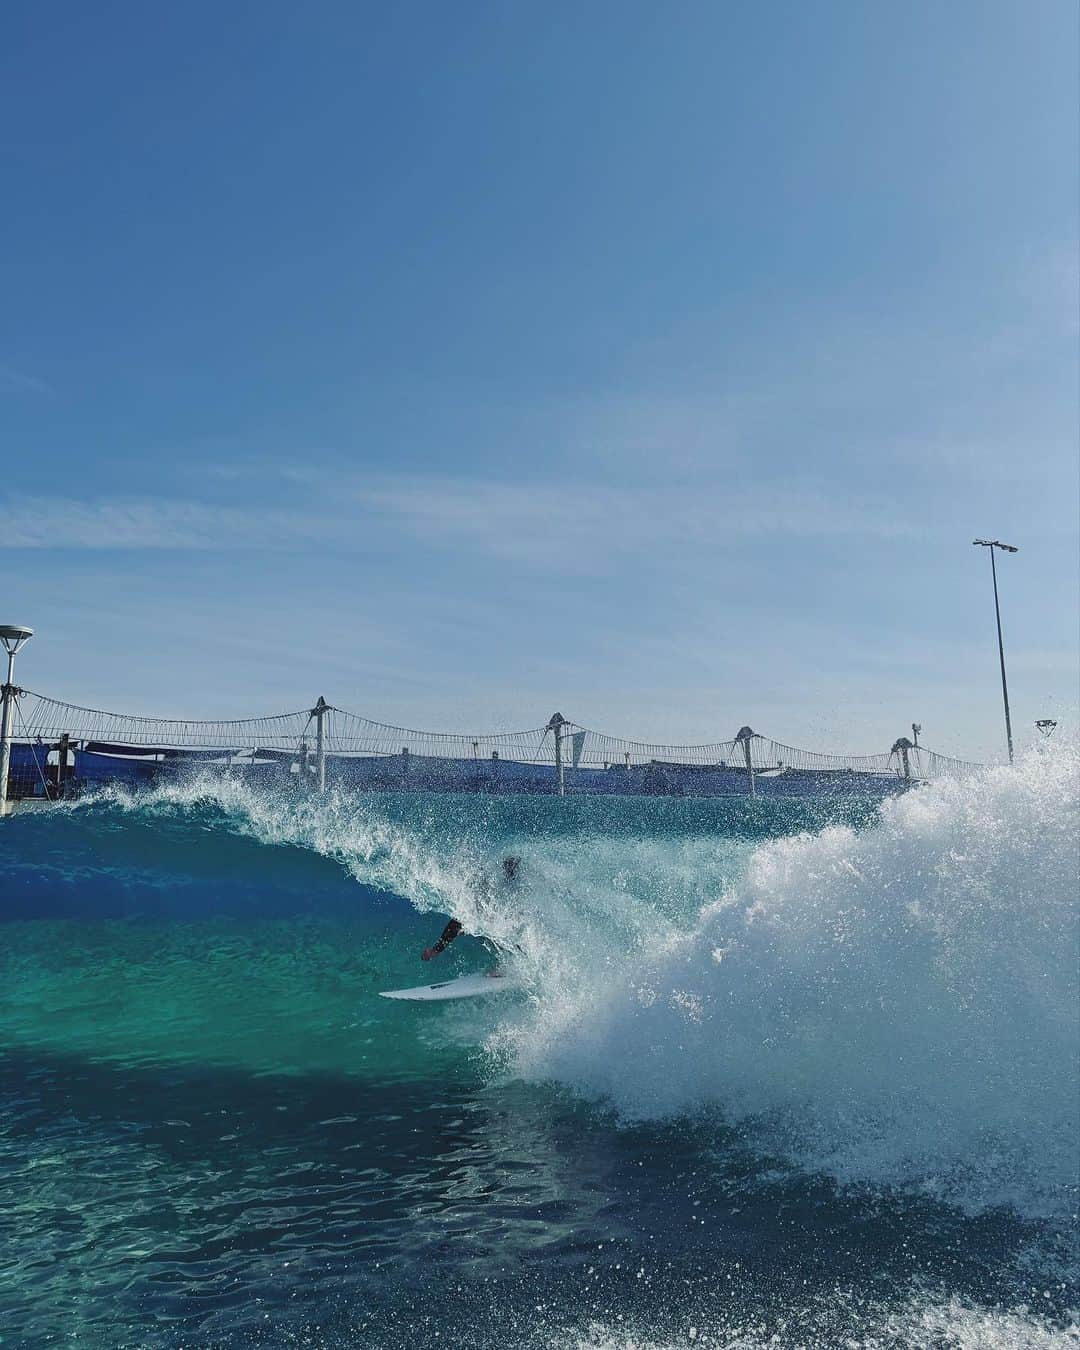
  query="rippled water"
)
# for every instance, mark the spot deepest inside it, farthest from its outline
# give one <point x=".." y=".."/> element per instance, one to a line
<point x="711" y="1117"/>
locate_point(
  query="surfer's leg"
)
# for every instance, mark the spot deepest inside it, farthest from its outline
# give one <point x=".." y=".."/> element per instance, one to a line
<point x="496" y="972"/>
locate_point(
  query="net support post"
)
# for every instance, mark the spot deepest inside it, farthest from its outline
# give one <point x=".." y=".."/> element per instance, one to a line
<point x="555" y="726"/>
<point x="319" y="713"/>
<point x="745" y="736"/>
<point x="903" y="748"/>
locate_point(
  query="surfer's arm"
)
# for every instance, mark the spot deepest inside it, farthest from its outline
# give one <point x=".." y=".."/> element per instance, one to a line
<point x="449" y="933"/>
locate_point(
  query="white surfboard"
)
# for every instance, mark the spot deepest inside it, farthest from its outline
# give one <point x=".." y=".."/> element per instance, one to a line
<point x="465" y="986"/>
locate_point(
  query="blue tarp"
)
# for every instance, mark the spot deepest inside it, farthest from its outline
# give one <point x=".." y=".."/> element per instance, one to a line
<point x="92" y="769"/>
<point x="28" y="766"/>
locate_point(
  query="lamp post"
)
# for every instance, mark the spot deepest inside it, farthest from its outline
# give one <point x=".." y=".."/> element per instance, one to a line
<point x="13" y="636"/>
<point x="992" y="544"/>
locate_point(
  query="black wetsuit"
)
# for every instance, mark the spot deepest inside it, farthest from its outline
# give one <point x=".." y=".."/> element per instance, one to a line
<point x="449" y="933"/>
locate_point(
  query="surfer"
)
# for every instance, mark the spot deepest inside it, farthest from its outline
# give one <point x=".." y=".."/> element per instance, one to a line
<point x="510" y="867"/>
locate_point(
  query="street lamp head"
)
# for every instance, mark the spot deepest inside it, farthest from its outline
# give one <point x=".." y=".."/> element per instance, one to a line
<point x="13" y="636"/>
<point x="996" y="543"/>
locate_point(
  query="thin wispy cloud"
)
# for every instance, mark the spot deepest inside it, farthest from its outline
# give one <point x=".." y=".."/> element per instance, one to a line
<point x="14" y="381"/>
<point x="144" y="523"/>
<point x="546" y="521"/>
<point x="557" y="525"/>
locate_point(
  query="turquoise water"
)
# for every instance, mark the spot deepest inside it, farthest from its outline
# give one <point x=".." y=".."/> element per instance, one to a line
<point x="785" y="1073"/>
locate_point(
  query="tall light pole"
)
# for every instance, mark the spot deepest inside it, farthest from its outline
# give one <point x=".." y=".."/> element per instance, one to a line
<point x="992" y="544"/>
<point x="13" y="636"/>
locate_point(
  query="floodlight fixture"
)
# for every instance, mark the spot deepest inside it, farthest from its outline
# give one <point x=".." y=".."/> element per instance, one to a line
<point x="14" y="636"/>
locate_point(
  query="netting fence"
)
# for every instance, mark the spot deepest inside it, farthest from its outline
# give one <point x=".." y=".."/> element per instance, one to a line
<point x="57" y="743"/>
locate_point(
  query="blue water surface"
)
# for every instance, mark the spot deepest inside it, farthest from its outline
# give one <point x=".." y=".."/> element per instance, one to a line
<point x="216" y="1134"/>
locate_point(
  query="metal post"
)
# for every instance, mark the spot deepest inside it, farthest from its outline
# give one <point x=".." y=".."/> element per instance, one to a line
<point x="319" y="712"/>
<point x="13" y="637"/>
<point x="61" y="762"/>
<point x="558" y="721"/>
<point x="992" y="544"/>
<point x="902" y="747"/>
<point x="5" y="732"/>
<point x="1001" y="658"/>
<point x="746" y="736"/>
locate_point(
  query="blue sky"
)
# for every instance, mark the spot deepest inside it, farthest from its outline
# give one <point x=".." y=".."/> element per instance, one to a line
<point x="653" y="362"/>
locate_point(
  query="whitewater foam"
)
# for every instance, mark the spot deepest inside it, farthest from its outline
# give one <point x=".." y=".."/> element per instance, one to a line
<point x="896" y="1006"/>
<point x="914" y="1324"/>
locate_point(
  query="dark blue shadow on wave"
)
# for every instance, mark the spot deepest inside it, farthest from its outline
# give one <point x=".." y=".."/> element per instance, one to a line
<point x="93" y="865"/>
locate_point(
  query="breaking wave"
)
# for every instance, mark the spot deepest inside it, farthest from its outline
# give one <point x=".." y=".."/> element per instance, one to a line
<point x="890" y="998"/>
